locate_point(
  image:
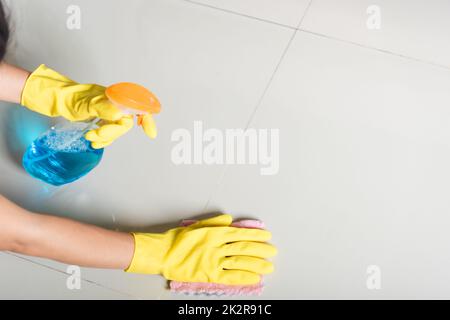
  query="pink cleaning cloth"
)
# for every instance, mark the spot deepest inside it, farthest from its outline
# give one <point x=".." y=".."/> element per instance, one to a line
<point x="197" y="288"/>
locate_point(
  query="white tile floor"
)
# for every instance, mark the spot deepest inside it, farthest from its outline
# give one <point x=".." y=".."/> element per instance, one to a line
<point x="364" y="136"/>
<point x="28" y="280"/>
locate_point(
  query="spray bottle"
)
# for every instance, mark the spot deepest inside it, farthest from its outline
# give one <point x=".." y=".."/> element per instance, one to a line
<point x="62" y="155"/>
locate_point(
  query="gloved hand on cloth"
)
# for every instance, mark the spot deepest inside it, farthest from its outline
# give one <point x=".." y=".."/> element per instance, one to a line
<point x="207" y="251"/>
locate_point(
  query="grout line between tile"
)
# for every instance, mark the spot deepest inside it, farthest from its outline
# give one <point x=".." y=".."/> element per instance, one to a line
<point x="261" y="98"/>
<point x="304" y="15"/>
<point x="241" y="14"/>
<point x="298" y="28"/>
<point x="277" y="67"/>
<point x="252" y="115"/>
<point x="62" y="272"/>
<point x="385" y="51"/>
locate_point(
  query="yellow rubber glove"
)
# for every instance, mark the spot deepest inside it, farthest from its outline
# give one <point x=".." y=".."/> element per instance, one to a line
<point x="148" y="124"/>
<point x="109" y="131"/>
<point x="207" y="251"/>
<point x="52" y="94"/>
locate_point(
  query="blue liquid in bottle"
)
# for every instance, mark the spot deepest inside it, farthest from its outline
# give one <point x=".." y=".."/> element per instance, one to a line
<point x="61" y="156"/>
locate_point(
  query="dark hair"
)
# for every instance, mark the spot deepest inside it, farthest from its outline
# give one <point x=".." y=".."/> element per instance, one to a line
<point x="4" y="32"/>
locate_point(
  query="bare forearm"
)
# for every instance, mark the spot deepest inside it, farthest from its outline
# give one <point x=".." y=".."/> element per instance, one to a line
<point x="64" y="240"/>
<point x="12" y="82"/>
<point x="81" y="244"/>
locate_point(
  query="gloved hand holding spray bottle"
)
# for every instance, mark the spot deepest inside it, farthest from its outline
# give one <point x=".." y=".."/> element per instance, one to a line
<point x="66" y="153"/>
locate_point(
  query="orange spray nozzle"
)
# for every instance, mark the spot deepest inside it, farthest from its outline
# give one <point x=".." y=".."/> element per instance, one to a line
<point x="134" y="99"/>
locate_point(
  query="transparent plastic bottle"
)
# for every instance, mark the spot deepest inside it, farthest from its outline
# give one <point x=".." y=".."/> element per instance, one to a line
<point x="62" y="155"/>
